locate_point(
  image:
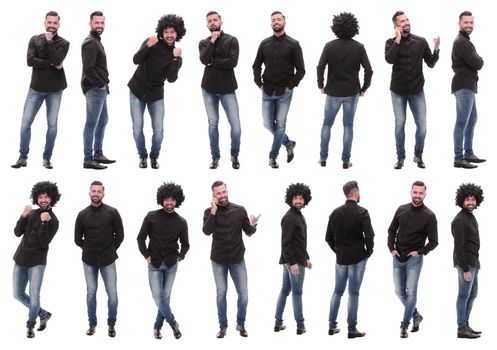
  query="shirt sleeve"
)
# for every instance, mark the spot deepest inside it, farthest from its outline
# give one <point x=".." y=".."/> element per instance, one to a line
<point x="368" y="71"/>
<point x="330" y="234"/>
<point x="323" y="61"/>
<point x="79" y="231"/>
<point x="392" y="231"/>
<point x="183" y="239"/>
<point x="368" y="233"/>
<point x="432" y="234"/>
<point x="459" y="233"/>
<point x="231" y="61"/>
<point x="32" y="56"/>
<point x="142" y="237"/>
<point x="118" y="229"/>
<point x="257" y="66"/>
<point x="467" y="52"/>
<point x="298" y="62"/>
<point x="287" y="232"/>
<point x="391" y="51"/>
<point x="209" y="222"/>
<point x="429" y="57"/>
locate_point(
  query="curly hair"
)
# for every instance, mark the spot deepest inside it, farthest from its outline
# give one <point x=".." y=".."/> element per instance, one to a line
<point x="298" y="189"/>
<point x="50" y="188"/>
<point x="345" y="26"/>
<point x="170" y="189"/>
<point x="171" y="21"/>
<point x="469" y="190"/>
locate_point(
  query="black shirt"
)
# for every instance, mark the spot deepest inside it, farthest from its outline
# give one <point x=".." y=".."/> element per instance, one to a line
<point x="220" y="59"/>
<point x="344" y="59"/>
<point x="99" y="232"/>
<point x="43" y="56"/>
<point x="36" y="236"/>
<point x="156" y="64"/>
<point x="293" y="238"/>
<point x="350" y="234"/>
<point x="226" y="229"/>
<point x="465" y="63"/>
<point x="283" y="62"/>
<point x="407" y="59"/>
<point x="466" y="240"/>
<point x="95" y="73"/>
<point x="409" y="229"/>
<point x="163" y="230"/>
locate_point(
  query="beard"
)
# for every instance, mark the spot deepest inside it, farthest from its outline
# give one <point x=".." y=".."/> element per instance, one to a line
<point x="279" y="29"/>
<point x="215" y="29"/>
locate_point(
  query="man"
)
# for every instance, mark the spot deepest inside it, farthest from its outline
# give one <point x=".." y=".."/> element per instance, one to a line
<point x="225" y="221"/>
<point x="46" y="53"/>
<point x="95" y="85"/>
<point x="351" y="237"/>
<point x="412" y="224"/>
<point x="37" y="228"/>
<point x="158" y="60"/>
<point x="343" y="57"/>
<point x="283" y="70"/>
<point x="219" y="53"/>
<point x="99" y="232"/>
<point x="406" y="53"/>
<point x="164" y="227"/>
<point x="294" y="256"/>
<point x="465" y="63"/>
<point x="466" y="247"/>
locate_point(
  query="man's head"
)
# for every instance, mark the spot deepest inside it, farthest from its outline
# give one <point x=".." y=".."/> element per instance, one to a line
<point x="220" y="192"/>
<point x="45" y="194"/>
<point x="170" y="28"/>
<point x="351" y="191"/>
<point x="466" y="22"/>
<point x="401" y="21"/>
<point x="52" y="22"/>
<point x="97" y="22"/>
<point x="345" y="26"/>
<point x="469" y="196"/>
<point x="298" y="195"/>
<point x="170" y="196"/>
<point x="97" y="193"/>
<point x="214" y="21"/>
<point x="278" y="22"/>
<point x="418" y="193"/>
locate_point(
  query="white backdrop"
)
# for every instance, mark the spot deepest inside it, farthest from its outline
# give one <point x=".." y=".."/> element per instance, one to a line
<point x="185" y="157"/>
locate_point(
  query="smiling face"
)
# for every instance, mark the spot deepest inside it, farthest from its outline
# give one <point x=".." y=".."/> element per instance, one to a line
<point x="418" y="194"/>
<point x="169" y="35"/>
<point x="169" y="204"/>
<point x="52" y="24"/>
<point x="466" y="24"/>
<point x="469" y="203"/>
<point x="44" y="201"/>
<point x="214" y="22"/>
<point x="97" y="24"/>
<point x="402" y="22"/>
<point x="221" y="194"/>
<point x="278" y="22"/>
<point x="298" y="202"/>
<point x="97" y="193"/>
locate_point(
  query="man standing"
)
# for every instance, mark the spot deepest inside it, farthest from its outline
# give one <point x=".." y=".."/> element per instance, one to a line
<point x="343" y="57"/>
<point x="225" y="221"/>
<point x="283" y="70"/>
<point x="351" y="237"/>
<point x="99" y="232"/>
<point x="219" y="53"/>
<point x="158" y="60"/>
<point x="466" y="247"/>
<point x="37" y="228"/>
<point x="95" y="85"/>
<point x="406" y="53"/>
<point x="46" y="53"/>
<point x="294" y="256"/>
<point x="412" y="224"/>
<point x="164" y="227"/>
<point x="465" y="63"/>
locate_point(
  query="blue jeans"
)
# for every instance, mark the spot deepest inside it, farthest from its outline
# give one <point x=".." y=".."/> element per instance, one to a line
<point x="291" y="283"/>
<point x="465" y="122"/>
<point x="274" y="114"/>
<point x="230" y="106"/>
<point x="20" y="278"/>
<point x="238" y="274"/>
<point x="156" y="111"/>
<point x="417" y="104"/>
<point x="161" y="282"/>
<point x="96" y="120"/>
<point x="331" y="108"/>
<point x="34" y="100"/>
<point x="468" y="291"/>
<point x="405" y="278"/>
<point x="109" y="277"/>
<point x="353" y="274"/>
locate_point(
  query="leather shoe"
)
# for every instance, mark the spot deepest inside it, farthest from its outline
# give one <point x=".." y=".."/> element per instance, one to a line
<point x="472" y="330"/>
<point x="154" y="163"/>
<point x="143" y="163"/>
<point x="93" y="164"/>
<point x="43" y="322"/>
<point x="289" y="152"/>
<point x="235" y="163"/>
<point x="91" y="330"/>
<point x="399" y="164"/>
<point x="30" y="333"/>
<point x="221" y="333"/>
<point x="333" y="331"/>
<point x="355" y="334"/>
<point x="20" y="163"/>
<point x="415" y="324"/>
<point x="463" y="163"/>
<point x="176" y="332"/>
<point x="103" y="159"/>
<point x="474" y="159"/>
<point x="47" y="164"/>
<point x="112" y="331"/>
<point x="280" y="327"/>
<point x="241" y="328"/>
<point x="419" y="161"/>
<point x="214" y="164"/>
<point x="346" y="165"/>
<point x="273" y="164"/>
<point x="322" y="162"/>
<point x="403" y="332"/>
<point x="467" y="335"/>
<point x="301" y="331"/>
<point x="157" y="333"/>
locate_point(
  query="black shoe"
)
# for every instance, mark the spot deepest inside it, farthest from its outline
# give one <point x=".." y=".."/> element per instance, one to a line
<point x="289" y="152"/>
<point x="333" y="331"/>
<point x="20" y="163"/>
<point x="241" y="328"/>
<point x="176" y="332"/>
<point x="280" y="327"/>
<point x="322" y="162"/>
<point x="103" y="159"/>
<point x="91" y="330"/>
<point x="463" y="163"/>
<point x="143" y="163"/>
<point x="235" y="163"/>
<point x="474" y="159"/>
<point x="346" y="165"/>
<point x="467" y="335"/>
<point x="472" y="330"/>
<point x="112" y="331"/>
<point x="399" y="164"/>
<point x="154" y="163"/>
<point x="273" y="164"/>
<point x="157" y="333"/>
<point x="214" y="164"/>
<point x="403" y="332"/>
<point x="93" y="164"/>
<point x="221" y="333"/>
<point x="30" y="332"/>
<point x="47" y="164"/>
<point x="301" y="331"/>
<point x="415" y="324"/>
<point x="355" y="334"/>
<point x="419" y="161"/>
<point x="43" y="322"/>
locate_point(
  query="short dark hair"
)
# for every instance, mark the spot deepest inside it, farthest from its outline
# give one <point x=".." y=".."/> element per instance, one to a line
<point x="50" y="188"/>
<point x="96" y="14"/>
<point x="171" y="21"/>
<point x="52" y="13"/>
<point x="465" y="13"/>
<point x="278" y="13"/>
<point x="210" y="13"/>
<point x="467" y="190"/>
<point x="298" y="189"/>
<point x="349" y="188"/>
<point x="168" y="190"/>
<point x="418" y="183"/>
<point x="217" y="184"/>
<point x="395" y="15"/>
<point x="345" y="26"/>
<point x="97" y="183"/>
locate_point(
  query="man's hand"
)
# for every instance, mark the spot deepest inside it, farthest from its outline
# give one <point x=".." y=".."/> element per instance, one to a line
<point x="214" y="36"/>
<point x="177" y="52"/>
<point x="27" y="210"/>
<point x="254" y="219"/>
<point x="152" y="41"/>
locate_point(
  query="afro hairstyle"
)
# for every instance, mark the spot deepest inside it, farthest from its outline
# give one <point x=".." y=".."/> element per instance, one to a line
<point x="469" y="190"/>
<point x="298" y="189"/>
<point x="170" y="189"/>
<point x="171" y="21"/>
<point x="50" y="188"/>
<point x="345" y="26"/>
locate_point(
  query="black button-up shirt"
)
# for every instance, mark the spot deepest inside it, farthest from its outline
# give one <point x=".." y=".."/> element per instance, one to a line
<point x="466" y="240"/>
<point x="95" y="73"/>
<point x="465" y="63"/>
<point x="293" y="238"/>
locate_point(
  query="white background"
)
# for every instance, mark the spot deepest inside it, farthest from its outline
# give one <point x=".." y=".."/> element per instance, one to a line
<point x="185" y="157"/>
